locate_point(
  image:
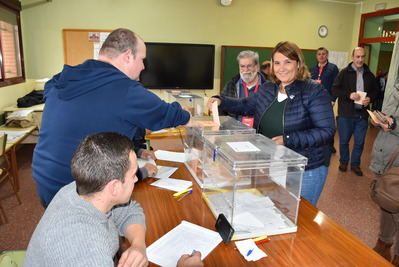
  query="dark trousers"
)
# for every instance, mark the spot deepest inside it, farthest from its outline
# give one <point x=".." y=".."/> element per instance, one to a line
<point x="348" y="126"/>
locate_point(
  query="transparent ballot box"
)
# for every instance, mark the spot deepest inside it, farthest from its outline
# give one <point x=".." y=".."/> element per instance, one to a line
<point x="194" y="140"/>
<point x="255" y="183"/>
<point x="193" y="103"/>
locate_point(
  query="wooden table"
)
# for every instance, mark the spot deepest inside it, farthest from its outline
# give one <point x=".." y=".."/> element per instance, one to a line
<point x="319" y="241"/>
<point x="11" y="151"/>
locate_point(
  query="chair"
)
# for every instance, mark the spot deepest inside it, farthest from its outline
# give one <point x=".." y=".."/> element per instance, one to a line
<point x="12" y="258"/>
<point x="5" y="175"/>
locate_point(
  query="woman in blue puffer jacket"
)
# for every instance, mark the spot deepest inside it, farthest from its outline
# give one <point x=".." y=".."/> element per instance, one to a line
<point x="293" y="111"/>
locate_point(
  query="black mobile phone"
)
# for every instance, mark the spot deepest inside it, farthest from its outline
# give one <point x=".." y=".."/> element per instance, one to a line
<point x="224" y="228"/>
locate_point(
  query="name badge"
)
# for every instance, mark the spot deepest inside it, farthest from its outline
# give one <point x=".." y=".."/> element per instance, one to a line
<point x="249" y="121"/>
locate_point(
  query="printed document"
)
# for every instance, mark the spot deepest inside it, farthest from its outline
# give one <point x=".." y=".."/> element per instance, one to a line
<point x="182" y="239"/>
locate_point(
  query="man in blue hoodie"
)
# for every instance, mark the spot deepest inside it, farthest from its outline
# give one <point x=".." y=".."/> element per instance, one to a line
<point x="101" y="95"/>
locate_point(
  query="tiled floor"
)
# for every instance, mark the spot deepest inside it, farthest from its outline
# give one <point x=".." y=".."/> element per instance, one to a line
<point x="345" y="199"/>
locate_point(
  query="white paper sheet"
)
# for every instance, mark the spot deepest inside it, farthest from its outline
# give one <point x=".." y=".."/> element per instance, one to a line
<point x="19" y="113"/>
<point x="165" y="172"/>
<point x="159" y="131"/>
<point x="176" y="185"/>
<point x="215" y="113"/>
<point x="13" y="135"/>
<point x="362" y="97"/>
<point x="243" y="146"/>
<point x="182" y="239"/>
<point x="170" y="156"/>
<point x="248" y="246"/>
<point x="278" y="171"/>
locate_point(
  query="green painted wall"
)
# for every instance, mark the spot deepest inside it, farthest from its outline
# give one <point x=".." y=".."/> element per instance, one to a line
<point x="10" y="94"/>
<point x="249" y="22"/>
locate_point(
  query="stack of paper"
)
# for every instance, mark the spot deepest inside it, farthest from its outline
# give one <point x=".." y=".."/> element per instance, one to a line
<point x="176" y="185"/>
<point x="252" y="212"/>
<point x="19" y="113"/>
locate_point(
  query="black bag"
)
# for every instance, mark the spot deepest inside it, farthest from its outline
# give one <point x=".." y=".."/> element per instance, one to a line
<point x="31" y="99"/>
<point x="385" y="188"/>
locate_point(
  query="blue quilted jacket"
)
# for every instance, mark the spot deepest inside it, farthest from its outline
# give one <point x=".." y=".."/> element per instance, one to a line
<point x="308" y="117"/>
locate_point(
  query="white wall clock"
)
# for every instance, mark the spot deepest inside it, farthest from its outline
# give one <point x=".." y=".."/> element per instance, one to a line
<point x="323" y="31"/>
<point x="226" y="2"/>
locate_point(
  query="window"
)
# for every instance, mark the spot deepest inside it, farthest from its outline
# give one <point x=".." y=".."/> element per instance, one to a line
<point x="11" y="57"/>
<point x="379" y="27"/>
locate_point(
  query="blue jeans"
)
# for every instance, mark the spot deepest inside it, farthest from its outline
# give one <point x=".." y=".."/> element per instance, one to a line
<point x="313" y="183"/>
<point x="347" y="127"/>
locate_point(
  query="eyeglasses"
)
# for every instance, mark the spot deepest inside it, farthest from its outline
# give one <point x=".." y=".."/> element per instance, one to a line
<point x="249" y="66"/>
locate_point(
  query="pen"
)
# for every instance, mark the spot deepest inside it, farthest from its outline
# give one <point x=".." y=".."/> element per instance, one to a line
<point x="182" y="196"/>
<point x="181" y="192"/>
<point x="249" y="252"/>
<point x="260" y="238"/>
<point x="262" y="241"/>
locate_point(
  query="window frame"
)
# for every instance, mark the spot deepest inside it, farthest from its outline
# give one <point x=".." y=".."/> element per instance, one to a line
<point x="15" y="7"/>
<point x="380" y="13"/>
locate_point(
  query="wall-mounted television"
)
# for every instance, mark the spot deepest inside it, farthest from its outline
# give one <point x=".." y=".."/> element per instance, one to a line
<point x="178" y="66"/>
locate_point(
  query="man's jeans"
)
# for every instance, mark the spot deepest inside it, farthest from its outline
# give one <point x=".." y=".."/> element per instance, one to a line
<point x="348" y="126"/>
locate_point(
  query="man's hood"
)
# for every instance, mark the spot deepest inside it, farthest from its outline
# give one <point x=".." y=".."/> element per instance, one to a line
<point x="74" y="81"/>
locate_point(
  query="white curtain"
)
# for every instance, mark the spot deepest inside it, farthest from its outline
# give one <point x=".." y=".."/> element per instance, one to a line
<point x="392" y="88"/>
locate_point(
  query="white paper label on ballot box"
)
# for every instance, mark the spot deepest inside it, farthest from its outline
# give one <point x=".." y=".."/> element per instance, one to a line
<point x="243" y="147"/>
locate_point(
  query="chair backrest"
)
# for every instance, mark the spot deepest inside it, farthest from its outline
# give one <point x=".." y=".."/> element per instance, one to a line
<point x="3" y="141"/>
<point x="12" y="258"/>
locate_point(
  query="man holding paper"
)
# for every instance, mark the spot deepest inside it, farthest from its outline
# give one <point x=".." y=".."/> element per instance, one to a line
<point x="82" y="225"/>
<point x="355" y="86"/>
<point x="244" y="84"/>
<point x="97" y="96"/>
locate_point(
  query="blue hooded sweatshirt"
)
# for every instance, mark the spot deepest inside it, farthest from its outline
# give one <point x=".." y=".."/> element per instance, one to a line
<point x="89" y="98"/>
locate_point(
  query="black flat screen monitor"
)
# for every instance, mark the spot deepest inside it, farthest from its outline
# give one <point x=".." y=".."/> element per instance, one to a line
<point x="178" y="66"/>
